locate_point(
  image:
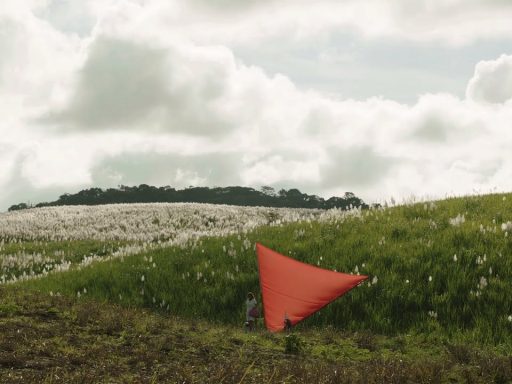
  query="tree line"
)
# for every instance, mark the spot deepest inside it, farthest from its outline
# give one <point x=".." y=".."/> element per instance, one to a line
<point x="266" y="196"/>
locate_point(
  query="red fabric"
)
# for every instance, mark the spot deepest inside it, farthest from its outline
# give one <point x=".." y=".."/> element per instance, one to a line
<point x="297" y="290"/>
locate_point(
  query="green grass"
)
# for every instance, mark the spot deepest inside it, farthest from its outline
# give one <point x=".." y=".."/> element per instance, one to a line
<point x="401" y="248"/>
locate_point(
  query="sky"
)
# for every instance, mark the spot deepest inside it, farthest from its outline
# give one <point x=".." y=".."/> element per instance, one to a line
<point x="383" y="98"/>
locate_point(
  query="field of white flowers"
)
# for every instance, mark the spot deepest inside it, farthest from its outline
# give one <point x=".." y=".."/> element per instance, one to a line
<point x="164" y="222"/>
<point x="35" y="242"/>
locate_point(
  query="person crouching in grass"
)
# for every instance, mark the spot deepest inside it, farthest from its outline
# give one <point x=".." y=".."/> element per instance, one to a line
<point x="252" y="311"/>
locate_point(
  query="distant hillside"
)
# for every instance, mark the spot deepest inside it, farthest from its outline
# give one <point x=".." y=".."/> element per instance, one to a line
<point x="246" y="196"/>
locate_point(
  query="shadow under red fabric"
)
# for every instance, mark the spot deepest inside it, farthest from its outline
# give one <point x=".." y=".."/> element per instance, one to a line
<point x="294" y="290"/>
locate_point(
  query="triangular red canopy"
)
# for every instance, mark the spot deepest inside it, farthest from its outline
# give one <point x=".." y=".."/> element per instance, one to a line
<point x="296" y="290"/>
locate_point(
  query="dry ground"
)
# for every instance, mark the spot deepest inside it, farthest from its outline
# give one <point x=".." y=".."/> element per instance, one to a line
<point x="47" y="339"/>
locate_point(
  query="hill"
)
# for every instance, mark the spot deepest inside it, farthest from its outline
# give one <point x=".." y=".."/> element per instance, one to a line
<point x="440" y="276"/>
<point x="440" y="266"/>
<point x="242" y="196"/>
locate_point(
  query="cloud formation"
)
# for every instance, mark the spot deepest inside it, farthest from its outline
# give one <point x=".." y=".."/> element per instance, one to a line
<point x="492" y="81"/>
<point x="450" y="22"/>
<point x="133" y="168"/>
<point x="120" y="84"/>
<point x="187" y="89"/>
<point x="153" y="92"/>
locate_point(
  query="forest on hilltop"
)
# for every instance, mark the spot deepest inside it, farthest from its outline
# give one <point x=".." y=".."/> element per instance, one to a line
<point x="234" y="195"/>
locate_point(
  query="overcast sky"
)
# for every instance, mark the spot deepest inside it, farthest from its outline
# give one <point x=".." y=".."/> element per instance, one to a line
<point x="394" y="98"/>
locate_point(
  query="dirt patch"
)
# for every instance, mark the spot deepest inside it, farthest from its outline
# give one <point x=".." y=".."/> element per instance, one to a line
<point x="87" y="342"/>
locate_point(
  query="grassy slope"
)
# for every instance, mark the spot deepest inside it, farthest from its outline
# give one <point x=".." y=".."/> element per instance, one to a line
<point x="377" y="333"/>
<point x="410" y="249"/>
<point x="46" y="339"/>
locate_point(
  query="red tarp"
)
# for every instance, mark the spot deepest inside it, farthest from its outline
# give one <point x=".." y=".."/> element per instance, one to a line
<point x="297" y="290"/>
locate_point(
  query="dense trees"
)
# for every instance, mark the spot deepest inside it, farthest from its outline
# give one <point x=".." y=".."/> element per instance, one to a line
<point x="144" y="193"/>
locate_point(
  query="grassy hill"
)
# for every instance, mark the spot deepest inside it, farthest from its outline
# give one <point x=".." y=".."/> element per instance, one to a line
<point x="443" y="266"/>
<point x="440" y="274"/>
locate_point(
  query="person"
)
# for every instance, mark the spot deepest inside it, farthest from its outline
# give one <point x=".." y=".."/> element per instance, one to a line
<point x="250" y="315"/>
<point x="287" y="323"/>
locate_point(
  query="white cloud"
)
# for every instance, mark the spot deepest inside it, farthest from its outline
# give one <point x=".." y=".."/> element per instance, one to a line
<point x="278" y="169"/>
<point x="36" y="58"/>
<point x="119" y="85"/>
<point x="173" y="88"/>
<point x="452" y="22"/>
<point x="77" y="17"/>
<point x="492" y="81"/>
<point x="7" y="159"/>
<point x="141" y="99"/>
<point x="55" y="162"/>
<point x="179" y="170"/>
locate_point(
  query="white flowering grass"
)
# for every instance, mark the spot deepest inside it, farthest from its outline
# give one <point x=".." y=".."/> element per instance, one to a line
<point x="154" y="222"/>
<point x="458" y="220"/>
<point x="506" y="227"/>
<point x="123" y="230"/>
<point x="460" y="273"/>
